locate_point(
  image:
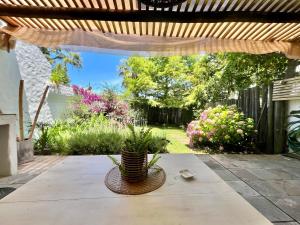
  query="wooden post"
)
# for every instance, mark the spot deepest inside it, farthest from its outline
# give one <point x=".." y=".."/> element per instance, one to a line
<point x="270" y="132"/>
<point x="21" y="117"/>
<point x="279" y="127"/>
<point x="263" y="125"/>
<point x="256" y="103"/>
<point x="38" y="111"/>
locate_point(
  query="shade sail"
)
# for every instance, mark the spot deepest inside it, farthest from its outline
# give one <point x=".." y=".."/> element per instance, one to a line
<point x="146" y="45"/>
<point x="128" y="26"/>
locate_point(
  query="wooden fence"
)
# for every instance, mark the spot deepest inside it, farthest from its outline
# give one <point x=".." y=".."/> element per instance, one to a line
<point x="269" y="117"/>
<point x="171" y="116"/>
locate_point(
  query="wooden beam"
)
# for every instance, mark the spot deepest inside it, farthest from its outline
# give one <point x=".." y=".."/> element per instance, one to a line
<point x="147" y="16"/>
<point x="38" y="112"/>
<point x="21" y="117"/>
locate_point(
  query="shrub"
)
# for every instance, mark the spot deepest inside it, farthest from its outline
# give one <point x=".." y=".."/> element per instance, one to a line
<point x="221" y="126"/>
<point x="93" y="135"/>
<point x="90" y="103"/>
<point x="42" y="142"/>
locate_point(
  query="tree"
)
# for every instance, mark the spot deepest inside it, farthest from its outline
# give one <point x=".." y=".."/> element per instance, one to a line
<point x="157" y="81"/>
<point x="59" y="75"/>
<point x="59" y="60"/>
<point x="193" y="81"/>
<point x="216" y="76"/>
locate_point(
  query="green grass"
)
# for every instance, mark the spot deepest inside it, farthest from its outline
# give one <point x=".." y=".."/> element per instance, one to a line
<point x="178" y="140"/>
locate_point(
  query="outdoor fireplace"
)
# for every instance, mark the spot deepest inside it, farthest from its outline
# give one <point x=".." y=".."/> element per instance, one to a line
<point x="8" y="146"/>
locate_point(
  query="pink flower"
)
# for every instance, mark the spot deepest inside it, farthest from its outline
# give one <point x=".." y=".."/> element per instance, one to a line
<point x="203" y="115"/>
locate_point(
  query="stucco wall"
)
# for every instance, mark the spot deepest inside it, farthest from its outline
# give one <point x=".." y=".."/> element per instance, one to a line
<point x="35" y="70"/>
<point x="58" y="100"/>
<point x="9" y="86"/>
<point x="28" y="63"/>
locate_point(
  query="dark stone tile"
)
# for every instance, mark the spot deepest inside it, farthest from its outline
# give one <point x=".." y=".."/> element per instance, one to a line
<point x="286" y="223"/>
<point x="214" y="165"/>
<point x="270" y="211"/>
<point x="242" y="188"/>
<point x="244" y="174"/>
<point x="5" y="191"/>
<point x="204" y="157"/>
<point x="268" y="188"/>
<point x="226" y="175"/>
<point x="289" y="204"/>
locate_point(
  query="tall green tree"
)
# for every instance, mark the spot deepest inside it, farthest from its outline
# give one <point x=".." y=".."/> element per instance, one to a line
<point x="60" y="60"/>
<point x="158" y="81"/>
<point x="193" y="81"/>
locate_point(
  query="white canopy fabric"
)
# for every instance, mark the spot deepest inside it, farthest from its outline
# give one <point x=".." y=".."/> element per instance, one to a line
<point x="142" y="45"/>
<point x="131" y="27"/>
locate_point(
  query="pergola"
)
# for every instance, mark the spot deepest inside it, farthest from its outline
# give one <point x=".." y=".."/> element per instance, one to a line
<point x="252" y="26"/>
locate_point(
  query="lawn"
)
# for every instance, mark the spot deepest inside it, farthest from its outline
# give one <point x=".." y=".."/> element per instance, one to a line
<point x="178" y="140"/>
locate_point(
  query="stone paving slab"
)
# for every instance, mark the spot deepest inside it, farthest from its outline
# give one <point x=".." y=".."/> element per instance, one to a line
<point x="286" y="223"/>
<point x="268" y="187"/>
<point x="243" y="189"/>
<point x="226" y="174"/>
<point x="244" y="174"/>
<point x="271" y="183"/>
<point x="269" y="210"/>
<point x="290" y="204"/>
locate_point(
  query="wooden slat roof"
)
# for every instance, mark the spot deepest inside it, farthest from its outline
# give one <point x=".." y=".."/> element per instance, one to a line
<point x="262" y="20"/>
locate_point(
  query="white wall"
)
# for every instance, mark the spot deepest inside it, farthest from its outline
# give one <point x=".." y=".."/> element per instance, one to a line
<point x="35" y="70"/>
<point x="59" y="99"/>
<point x="28" y="63"/>
<point x="9" y="86"/>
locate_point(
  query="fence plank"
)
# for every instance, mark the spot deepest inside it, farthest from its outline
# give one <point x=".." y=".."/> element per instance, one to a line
<point x="279" y="126"/>
<point x="270" y="132"/>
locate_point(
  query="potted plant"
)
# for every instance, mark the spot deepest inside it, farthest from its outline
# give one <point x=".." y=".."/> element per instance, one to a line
<point x="134" y="155"/>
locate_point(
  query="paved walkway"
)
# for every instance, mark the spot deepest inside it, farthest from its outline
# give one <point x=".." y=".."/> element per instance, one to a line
<point x="271" y="183"/>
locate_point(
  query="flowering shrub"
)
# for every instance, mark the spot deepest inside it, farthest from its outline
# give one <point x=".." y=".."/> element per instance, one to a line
<point x="90" y="103"/>
<point x="222" y="126"/>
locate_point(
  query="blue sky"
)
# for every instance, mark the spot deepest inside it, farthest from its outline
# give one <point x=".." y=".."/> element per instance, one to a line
<point x="98" y="69"/>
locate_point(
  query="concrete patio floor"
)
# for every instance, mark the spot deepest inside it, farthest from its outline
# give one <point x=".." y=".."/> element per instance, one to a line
<point x="271" y="183"/>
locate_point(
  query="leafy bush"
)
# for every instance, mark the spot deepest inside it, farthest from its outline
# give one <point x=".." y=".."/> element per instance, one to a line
<point x="222" y="126"/>
<point x="90" y="103"/>
<point x="93" y="135"/>
<point x="41" y="144"/>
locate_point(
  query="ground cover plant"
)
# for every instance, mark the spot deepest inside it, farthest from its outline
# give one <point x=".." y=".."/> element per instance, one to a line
<point x="94" y="135"/>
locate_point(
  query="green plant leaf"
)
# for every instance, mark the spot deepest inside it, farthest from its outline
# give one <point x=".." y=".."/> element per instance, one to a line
<point x="154" y="160"/>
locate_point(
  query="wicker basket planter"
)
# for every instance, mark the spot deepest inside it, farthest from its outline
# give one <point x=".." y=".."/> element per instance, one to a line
<point x="135" y="166"/>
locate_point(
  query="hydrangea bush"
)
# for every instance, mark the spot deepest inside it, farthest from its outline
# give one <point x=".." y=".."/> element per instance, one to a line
<point x="90" y="103"/>
<point x="223" y="127"/>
